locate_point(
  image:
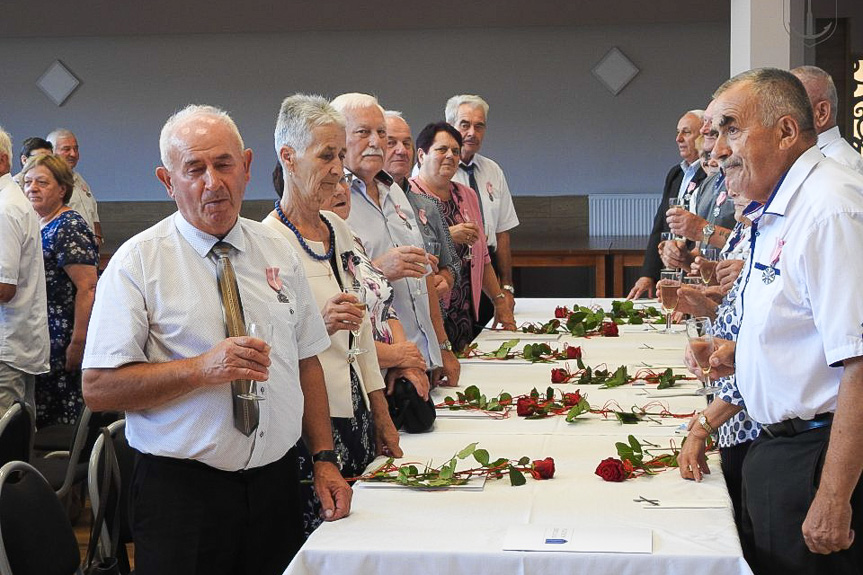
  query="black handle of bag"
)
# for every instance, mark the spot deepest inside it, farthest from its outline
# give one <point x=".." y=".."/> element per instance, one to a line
<point x="110" y="474"/>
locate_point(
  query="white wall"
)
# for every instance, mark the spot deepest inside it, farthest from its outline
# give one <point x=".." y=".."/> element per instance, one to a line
<point x="552" y="126"/>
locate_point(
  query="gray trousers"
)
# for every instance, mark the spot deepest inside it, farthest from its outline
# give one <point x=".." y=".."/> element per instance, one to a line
<point x="15" y="385"/>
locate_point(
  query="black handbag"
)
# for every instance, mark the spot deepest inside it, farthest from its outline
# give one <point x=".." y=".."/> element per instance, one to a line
<point x="408" y="410"/>
<point x="108" y="564"/>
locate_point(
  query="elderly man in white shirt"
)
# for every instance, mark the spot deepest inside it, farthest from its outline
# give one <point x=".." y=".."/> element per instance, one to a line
<point x="825" y="103"/>
<point x="799" y="353"/>
<point x="24" y="342"/>
<point x="215" y="488"/>
<point x="468" y="113"/>
<point x="384" y="220"/>
<point x="82" y="201"/>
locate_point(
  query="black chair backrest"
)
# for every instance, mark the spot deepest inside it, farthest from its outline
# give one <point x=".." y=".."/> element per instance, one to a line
<point x="35" y="535"/>
<point x="126" y="461"/>
<point x="16" y="434"/>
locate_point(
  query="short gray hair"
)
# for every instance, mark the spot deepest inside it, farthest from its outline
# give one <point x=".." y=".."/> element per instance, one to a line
<point x="779" y="93"/>
<point x="6" y="145"/>
<point x="697" y="113"/>
<point x="298" y="116"/>
<point x="394" y="114"/>
<point x="823" y="82"/>
<point x="168" y="140"/>
<point x="454" y="103"/>
<point x="345" y="103"/>
<point x="58" y="133"/>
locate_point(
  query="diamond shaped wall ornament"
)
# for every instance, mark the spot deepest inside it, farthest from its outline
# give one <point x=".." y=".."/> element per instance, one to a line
<point x="58" y="82"/>
<point x="615" y="71"/>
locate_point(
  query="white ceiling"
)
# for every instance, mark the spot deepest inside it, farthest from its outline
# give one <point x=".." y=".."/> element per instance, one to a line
<point x="21" y="18"/>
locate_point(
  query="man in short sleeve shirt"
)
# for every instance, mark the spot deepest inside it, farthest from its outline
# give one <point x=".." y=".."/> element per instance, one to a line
<point x="469" y="115"/>
<point x="24" y="342"/>
<point x="799" y="353"/>
<point x="206" y="496"/>
<point x="82" y="201"/>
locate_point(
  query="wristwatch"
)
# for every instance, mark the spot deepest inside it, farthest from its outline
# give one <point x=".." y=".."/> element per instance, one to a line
<point x="508" y="288"/>
<point x="329" y="456"/>
<point x="702" y="419"/>
<point x="446" y="345"/>
<point x="706" y="232"/>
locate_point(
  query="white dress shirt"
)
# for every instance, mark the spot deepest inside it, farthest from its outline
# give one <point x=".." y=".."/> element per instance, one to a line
<point x="158" y="301"/>
<point x="498" y="211"/>
<point x="381" y="229"/>
<point x="324" y="286"/>
<point x="798" y="328"/>
<point x="24" y="340"/>
<point x="831" y="143"/>
<point x="84" y="202"/>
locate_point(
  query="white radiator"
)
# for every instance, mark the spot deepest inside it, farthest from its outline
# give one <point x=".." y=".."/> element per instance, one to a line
<point x="622" y="214"/>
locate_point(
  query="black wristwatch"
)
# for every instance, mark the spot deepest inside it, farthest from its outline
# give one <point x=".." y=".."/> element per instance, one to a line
<point x="329" y="456"/>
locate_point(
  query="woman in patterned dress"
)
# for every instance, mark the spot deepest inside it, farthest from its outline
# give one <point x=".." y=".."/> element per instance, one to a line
<point x="438" y="147"/>
<point x="310" y="139"/>
<point x="69" y="251"/>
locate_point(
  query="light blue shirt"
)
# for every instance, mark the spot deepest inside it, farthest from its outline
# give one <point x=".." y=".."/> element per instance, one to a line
<point x="381" y="229"/>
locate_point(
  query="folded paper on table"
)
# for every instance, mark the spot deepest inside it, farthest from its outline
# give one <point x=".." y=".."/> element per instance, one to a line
<point x="618" y="539"/>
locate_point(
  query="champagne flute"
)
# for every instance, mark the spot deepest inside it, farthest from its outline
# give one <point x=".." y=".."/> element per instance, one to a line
<point x="707" y="267"/>
<point x="262" y="330"/>
<point x="676" y="203"/>
<point x="421" y="281"/>
<point x="360" y="304"/>
<point x="699" y="332"/>
<point x="469" y="255"/>
<point x="669" y="283"/>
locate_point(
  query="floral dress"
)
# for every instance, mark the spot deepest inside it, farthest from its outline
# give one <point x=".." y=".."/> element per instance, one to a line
<point x="66" y="240"/>
<point x="378" y="292"/>
<point x="458" y="313"/>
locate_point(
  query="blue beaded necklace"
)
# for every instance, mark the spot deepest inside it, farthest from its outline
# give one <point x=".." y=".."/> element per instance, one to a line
<point x="302" y="240"/>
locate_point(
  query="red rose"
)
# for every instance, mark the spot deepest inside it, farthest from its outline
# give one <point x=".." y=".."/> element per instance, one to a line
<point x="611" y="469"/>
<point x="573" y="352"/>
<point x="559" y="375"/>
<point x="609" y="329"/>
<point x="561" y="311"/>
<point x="570" y="399"/>
<point x="525" y="406"/>
<point x="543" y="469"/>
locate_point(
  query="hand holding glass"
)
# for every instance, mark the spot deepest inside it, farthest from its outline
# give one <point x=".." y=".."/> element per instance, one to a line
<point x="262" y="330"/>
<point x="699" y="333"/>
<point x="360" y="304"/>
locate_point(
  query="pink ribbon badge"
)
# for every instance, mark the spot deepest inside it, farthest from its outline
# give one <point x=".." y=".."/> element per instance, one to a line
<point x="690" y="187"/>
<point x="720" y="199"/>
<point x="273" y="279"/>
<point x="489" y="190"/>
<point x="777" y="251"/>
<point x="421" y="214"/>
<point x="401" y="213"/>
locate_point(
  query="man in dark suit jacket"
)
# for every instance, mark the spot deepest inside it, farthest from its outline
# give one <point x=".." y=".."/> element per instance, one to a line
<point x="680" y="178"/>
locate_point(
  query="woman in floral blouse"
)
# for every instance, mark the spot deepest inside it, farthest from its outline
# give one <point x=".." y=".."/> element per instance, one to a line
<point x="71" y="259"/>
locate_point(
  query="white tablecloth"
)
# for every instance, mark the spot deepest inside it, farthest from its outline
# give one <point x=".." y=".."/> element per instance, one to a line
<point x="394" y="530"/>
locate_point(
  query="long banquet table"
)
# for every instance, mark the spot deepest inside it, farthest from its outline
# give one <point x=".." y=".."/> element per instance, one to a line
<point x="398" y="530"/>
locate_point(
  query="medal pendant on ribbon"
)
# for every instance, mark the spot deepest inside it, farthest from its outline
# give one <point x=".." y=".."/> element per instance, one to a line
<point x="768" y="275"/>
<point x="716" y="212"/>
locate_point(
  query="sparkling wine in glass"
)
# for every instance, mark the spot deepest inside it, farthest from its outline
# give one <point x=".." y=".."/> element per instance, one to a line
<point x="669" y="283"/>
<point x="699" y="333"/>
<point x="262" y="330"/>
<point x="360" y="304"/>
<point x="676" y="203"/>
<point x="707" y="267"/>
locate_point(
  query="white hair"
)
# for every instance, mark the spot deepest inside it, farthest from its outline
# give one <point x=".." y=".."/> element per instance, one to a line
<point x="697" y="113"/>
<point x="822" y="81"/>
<point x="393" y="114"/>
<point x="6" y="145"/>
<point x="168" y="139"/>
<point x="355" y="101"/>
<point x="298" y="116"/>
<point x="58" y="133"/>
<point x="454" y="103"/>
